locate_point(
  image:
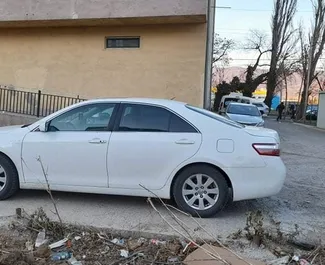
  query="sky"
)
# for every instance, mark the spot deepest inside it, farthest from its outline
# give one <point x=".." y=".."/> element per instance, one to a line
<point x="235" y="23"/>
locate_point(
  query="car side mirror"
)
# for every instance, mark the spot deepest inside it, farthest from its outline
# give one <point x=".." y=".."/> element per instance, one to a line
<point x="43" y="127"/>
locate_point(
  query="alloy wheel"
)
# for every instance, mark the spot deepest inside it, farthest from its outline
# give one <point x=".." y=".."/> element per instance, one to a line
<point x="3" y="178"/>
<point x="200" y="192"/>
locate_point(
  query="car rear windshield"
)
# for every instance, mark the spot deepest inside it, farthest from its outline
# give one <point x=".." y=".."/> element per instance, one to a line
<point x="215" y="116"/>
<point x="248" y="110"/>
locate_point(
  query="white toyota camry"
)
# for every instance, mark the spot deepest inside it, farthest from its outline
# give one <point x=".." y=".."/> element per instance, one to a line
<point x="115" y="146"/>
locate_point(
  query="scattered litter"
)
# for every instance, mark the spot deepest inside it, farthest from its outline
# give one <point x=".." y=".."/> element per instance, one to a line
<point x="40" y="240"/>
<point x="303" y="262"/>
<point x="29" y="246"/>
<point x="295" y="258"/>
<point x="157" y="242"/>
<point x="191" y="244"/>
<point x="124" y="253"/>
<point x="280" y="261"/>
<point x="84" y="256"/>
<point x="77" y="238"/>
<point x="199" y="257"/>
<point x="73" y="261"/>
<point x="58" y="243"/>
<point x="173" y="260"/>
<point x="119" y="242"/>
<point x="142" y="240"/>
<point x="61" y="256"/>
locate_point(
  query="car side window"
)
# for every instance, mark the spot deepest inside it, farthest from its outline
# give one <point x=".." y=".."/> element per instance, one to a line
<point x="93" y="117"/>
<point x="177" y="124"/>
<point x="145" y="118"/>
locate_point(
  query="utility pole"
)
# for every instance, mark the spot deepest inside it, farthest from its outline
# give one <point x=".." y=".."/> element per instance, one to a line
<point x="310" y="55"/>
<point x="209" y="54"/>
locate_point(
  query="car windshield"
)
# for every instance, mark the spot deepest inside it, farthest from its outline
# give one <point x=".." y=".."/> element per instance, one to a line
<point x="215" y="116"/>
<point x="243" y="110"/>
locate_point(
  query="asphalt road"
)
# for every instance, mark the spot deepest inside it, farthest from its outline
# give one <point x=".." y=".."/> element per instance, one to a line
<point x="302" y="200"/>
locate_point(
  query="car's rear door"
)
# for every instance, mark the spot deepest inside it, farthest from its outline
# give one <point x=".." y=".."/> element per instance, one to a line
<point x="148" y="143"/>
<point x="73" y="151"/>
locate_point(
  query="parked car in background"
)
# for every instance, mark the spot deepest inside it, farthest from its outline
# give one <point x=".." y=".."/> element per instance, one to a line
<point x="245" y="114"/>
<point x="262" y="107"/>
<point x="141" y="147"/>
<point x="311" y="115"/>
<point x="233" y="97"/>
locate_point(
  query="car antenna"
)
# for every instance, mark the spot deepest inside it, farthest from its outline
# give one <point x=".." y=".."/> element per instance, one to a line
<point x="173" y="98"/>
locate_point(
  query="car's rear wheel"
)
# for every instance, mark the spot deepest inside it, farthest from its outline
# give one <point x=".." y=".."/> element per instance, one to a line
<point x="9" y="182"/>
<point x="201" y="190"/>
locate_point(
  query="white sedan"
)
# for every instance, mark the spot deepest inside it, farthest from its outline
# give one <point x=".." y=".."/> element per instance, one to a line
<point x="133" y="146"/>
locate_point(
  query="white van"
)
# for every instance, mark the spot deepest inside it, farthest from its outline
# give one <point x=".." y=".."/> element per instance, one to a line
<point x="234" y="97"/>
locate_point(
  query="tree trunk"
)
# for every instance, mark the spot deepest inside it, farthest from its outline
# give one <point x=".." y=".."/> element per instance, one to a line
<point x="271" y="84"/>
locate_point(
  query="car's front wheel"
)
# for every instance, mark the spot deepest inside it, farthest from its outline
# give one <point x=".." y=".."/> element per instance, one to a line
<point x="201" y="190"/>
<point x="9" y="182"/>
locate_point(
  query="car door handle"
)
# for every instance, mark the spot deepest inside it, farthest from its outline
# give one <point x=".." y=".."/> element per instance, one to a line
<point x="185" y="141"/>
<point x="97" y="141"/>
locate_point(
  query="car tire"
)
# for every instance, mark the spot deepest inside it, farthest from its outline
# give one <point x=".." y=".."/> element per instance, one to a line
<point x="9" y="181"/>
<point x="190" y="194"/>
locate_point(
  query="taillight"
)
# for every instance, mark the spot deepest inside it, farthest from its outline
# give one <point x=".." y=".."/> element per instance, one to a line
<point x="267" y="149"/>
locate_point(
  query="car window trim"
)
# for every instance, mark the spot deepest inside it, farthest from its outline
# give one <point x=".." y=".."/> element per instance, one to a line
<point x="122" y="107"/>
<point x="109" y="126"/>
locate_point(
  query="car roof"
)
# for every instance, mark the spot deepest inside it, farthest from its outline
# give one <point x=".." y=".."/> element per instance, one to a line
<point x="154" y="101"/>
<point x="240" y="104"/>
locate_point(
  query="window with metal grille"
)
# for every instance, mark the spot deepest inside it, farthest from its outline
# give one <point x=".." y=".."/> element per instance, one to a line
<point x="122" y="42"/>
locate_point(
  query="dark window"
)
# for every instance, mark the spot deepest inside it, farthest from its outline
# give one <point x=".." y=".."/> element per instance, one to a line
<point x="179" y="125"/>
<point x="119" y="42"/>
<point x="93" y="117"/>
<point x="144" y="118"/>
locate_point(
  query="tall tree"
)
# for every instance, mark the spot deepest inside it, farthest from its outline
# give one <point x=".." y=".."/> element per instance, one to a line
<point x="282" y="32"/>
<point x="312" y="53"/>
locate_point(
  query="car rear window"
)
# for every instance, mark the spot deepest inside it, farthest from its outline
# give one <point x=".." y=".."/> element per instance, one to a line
<point x="215" y="116"/>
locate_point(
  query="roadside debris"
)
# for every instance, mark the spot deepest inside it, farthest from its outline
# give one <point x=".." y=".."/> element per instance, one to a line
<point x="40" y="240"/>
<point x="89" y="246"/>
<point x="61" y="256"/>
<point x="124" y="253"/>
<point x="200" y="256"/>
<point x="58" y="243"/>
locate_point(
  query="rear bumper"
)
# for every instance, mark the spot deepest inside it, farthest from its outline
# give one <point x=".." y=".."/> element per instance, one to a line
<point x="253" y="183"/>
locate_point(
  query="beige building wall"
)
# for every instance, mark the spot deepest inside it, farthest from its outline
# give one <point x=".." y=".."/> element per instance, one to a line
<point x="73" y="61"/>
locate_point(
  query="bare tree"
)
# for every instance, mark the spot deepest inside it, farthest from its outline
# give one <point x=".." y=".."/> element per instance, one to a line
<point x="282" y="32"/>
<point x="256" y="41"/>
<point x="221" y="49"/>
<point x="312" y="53"/>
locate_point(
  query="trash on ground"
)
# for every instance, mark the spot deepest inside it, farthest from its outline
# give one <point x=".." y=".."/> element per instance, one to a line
<point x="73" y="261"/>
<point x="280" y="261"/>
<point x="119" y="242"/>
<point x="173" y="260"/>
<point x="64" y="255"/>
<point x="199" y="257"/>
<point x="124" y="253"/>
<point x="40" y="240"/>
<point x="157" y="242"/>
<point x="77" y="238"/>
<point x="303" y="262"/>
<point x="29" y="246"/>
<point x="58" y="243"/>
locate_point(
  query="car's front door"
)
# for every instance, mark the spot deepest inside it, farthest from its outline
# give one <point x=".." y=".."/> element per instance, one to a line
<point x="147" y="144"/>
<point x="73" y="150"/>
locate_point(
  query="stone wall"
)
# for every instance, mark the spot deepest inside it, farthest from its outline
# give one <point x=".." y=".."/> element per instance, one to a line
<point x="7" y="119"/>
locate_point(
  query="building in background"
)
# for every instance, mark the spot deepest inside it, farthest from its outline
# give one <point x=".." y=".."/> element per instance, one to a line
<point x="105" y="48"/>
